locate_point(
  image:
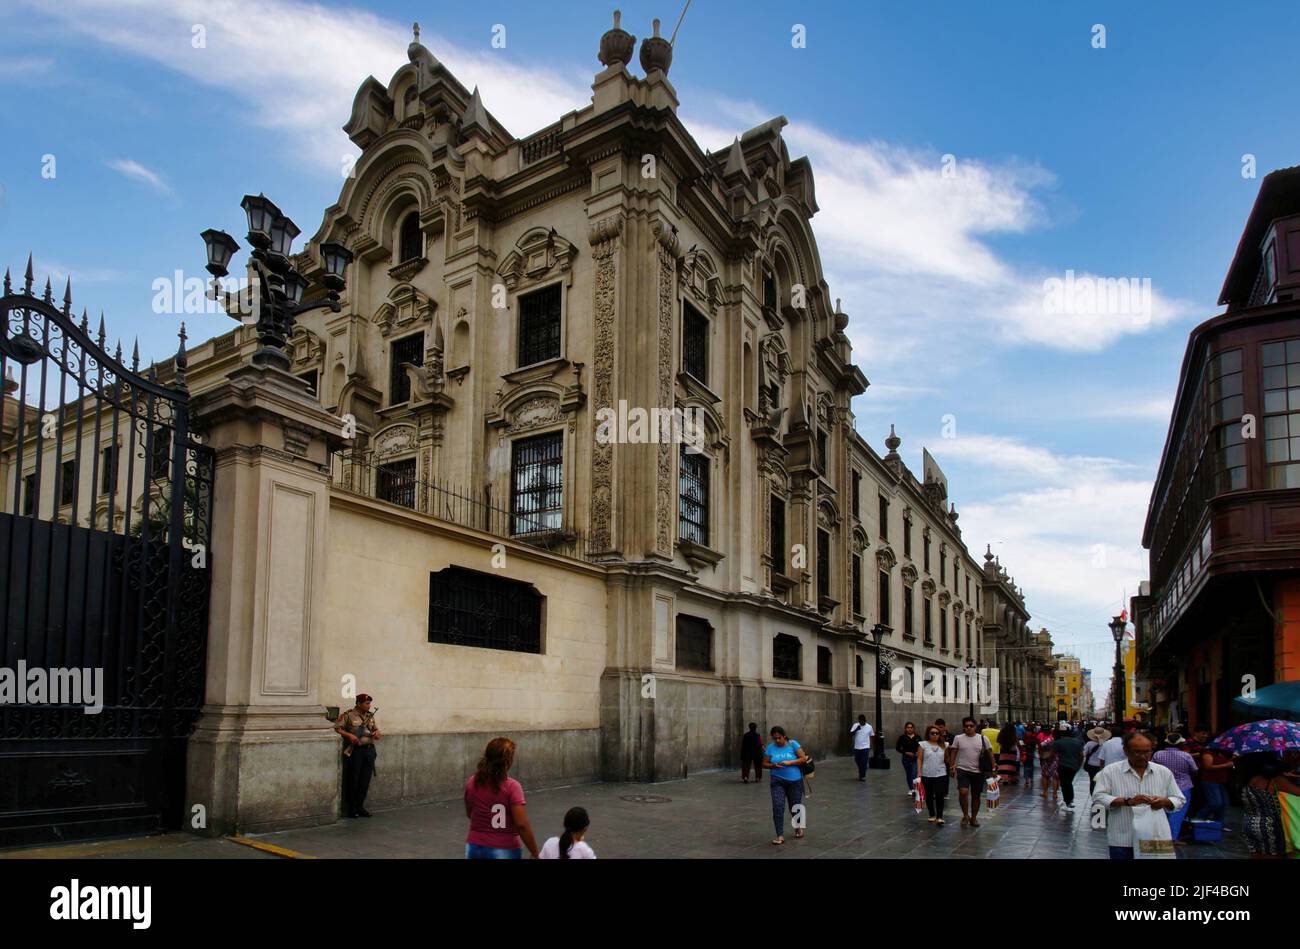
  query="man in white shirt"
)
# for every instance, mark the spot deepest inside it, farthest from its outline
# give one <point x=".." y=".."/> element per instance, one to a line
<point x="862" y="734"/>
<point x="1135" y="782"/>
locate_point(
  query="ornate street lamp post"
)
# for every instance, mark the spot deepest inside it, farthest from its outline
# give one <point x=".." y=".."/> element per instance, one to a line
<point x="879" y="760"/>
<point x="275" y="298"/>
<point x="971" y="686"/>
<point x="1117" y="627"/>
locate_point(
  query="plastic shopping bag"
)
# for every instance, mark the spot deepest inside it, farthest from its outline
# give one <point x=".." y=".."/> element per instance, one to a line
<point x="992" y="791"/>
<point x="1151" y="837"/>
<point x="919" y="802"/>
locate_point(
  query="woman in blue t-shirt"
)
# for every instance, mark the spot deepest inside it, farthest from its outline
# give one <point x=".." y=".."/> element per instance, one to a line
<point x="783" y="759"/>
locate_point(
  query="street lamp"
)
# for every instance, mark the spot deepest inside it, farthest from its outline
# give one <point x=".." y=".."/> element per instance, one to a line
<point x="971" y="687"/>
<point x="1117" y="627"/>
<point x="879" y="760"/>
<point x="276" y="296"/>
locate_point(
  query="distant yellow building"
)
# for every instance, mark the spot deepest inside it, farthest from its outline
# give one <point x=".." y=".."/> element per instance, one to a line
<point x="1069" y="687"/>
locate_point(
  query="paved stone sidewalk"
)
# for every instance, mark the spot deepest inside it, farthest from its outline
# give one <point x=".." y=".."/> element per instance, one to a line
<point x="710" y="815"/>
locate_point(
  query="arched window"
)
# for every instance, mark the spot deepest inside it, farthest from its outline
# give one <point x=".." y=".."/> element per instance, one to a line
<point x="411" y="241"/>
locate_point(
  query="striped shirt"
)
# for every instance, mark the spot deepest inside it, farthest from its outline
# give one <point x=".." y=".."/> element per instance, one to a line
<point x="1180" y="763"/>
<point x="1119" y="780"/>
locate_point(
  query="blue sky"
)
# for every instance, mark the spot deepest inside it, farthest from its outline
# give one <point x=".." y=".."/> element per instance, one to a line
<point x="1122" y="161"/>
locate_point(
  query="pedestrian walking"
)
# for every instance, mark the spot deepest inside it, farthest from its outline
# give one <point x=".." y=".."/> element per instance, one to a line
<point x="494" y="803"/>
<point x="1112" y="750"/>
<point x="908" y="745"/>
<point x="1184" y="768"/>
<point x="1028" y="744"/>
<point x="932" y="762"/>
<point x="570" y="845"/>
<point x="1008" y="755"/>
<point x="970" y="759"/>
<point x="751" y="753"/>
<point x="359" y="731"/>
<point x="1126" y="787"/>
<point x="1068" y="752"/>
<point x="862" y="734"/>
<point x="943" y="730"/>
<point x="1216" y="769"/>
<point x="784" y="760"/>
<point x="1262" y="823"/>
<point x="1097" y="736"/>
<point x="1049" y="773"/>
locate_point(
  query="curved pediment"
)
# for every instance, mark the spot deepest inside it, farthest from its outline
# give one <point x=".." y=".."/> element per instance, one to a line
<point x="909" y="574"/>
<point x="406" y="308"/>
<point x="885" y="558"/>
<point x="538" y="254"/>
<point x="397" y="439"/>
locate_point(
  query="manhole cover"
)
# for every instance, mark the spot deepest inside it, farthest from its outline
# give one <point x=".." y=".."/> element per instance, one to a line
<point x="647" y="799"/>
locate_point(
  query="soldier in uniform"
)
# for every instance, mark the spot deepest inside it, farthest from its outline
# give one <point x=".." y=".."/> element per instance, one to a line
<point x="359" y="731"/>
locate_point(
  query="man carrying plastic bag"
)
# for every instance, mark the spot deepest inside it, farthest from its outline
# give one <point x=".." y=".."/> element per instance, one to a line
<point x="1137" y="795"/>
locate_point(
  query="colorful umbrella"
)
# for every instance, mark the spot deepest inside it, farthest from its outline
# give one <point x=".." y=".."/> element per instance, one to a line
<point x="1272" y="734"/>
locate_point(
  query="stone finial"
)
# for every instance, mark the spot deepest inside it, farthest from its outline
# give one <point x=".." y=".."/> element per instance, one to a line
<point x="656" y="53"/>
<point x="952" y="513"/>
<point x="736" y="166"/>
<point x="616" y="45"/>
<point x="893" y="441"/>
<point x="415" y="32"/>
<point x="988" y="553"/>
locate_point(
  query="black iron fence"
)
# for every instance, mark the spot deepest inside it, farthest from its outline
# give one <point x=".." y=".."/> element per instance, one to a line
<point x="397" y="483"/>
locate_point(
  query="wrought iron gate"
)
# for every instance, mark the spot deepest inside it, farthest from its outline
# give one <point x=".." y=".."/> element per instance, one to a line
<point x="105" y="505"/>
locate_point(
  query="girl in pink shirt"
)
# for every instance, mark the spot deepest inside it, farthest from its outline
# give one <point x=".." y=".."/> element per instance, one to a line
<point x="494" y="804"/>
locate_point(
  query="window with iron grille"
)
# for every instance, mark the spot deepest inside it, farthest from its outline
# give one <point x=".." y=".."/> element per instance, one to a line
<point x="823" y="563"/>
<point x="883" y="601"/>
<point x="694" y="643"/>
<point x="537" y="483"/>
<point x="926" y="623"/>
<point x="909" y="625"/>
<point x="468" y="608"/>
<point x="693" y="498"/>
<point x="395" y="482"/>
<point x="539" y="325"/>
<point x="29" y="495"/>
<point x="786" y="653"/>
<point x="884" y="517"/>
<point x="857" y="584"/>
<point x="67" y="482"/>
<point x="407" y="349"/>
<point x="857" y="670"/>
<point x="823" y="665"/>
<point x="857" y="495"/>
<point x="412" y="240"/>
<point x="159" y="463"/>
<point x="777" y="533"/>
<point x="695" y="343"/>
<point x="108" y="470"/>
<point x="943" y="627"/>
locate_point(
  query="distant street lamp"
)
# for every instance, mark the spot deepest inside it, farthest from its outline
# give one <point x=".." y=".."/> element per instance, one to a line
<point x="1117" y="628"/>
<point x="879" y="760"/>
<point x="971" y="687"/>
<point x="276" y="299"/>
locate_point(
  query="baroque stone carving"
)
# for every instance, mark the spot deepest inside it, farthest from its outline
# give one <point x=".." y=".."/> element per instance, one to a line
<point x="395" y="439"/>
<point x="405" y="305"/>
<point x="909" y="574"/>
<point x="534" y="413"/>
<point x="604" y="237"/>
<point x="536" y="254"/>
<point x="666" y="242"/>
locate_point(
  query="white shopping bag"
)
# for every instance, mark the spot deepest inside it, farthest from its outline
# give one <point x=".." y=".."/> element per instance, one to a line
<point x="1151" y="837"/>
<point x="992" y="791"/>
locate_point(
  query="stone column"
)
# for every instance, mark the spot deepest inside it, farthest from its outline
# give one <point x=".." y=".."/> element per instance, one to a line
<point x="263" y="755"/>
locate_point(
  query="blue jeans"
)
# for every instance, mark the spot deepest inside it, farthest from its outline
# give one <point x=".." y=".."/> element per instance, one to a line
<point x="861" y="756"/>
<point x="1121" y="853"/>
<point x="1216" y="801"/>
<point x="479" y="852"/>
<point x="909" y="772"/>
<point x="781" y="791"/>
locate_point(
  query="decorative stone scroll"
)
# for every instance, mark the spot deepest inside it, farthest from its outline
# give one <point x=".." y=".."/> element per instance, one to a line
<point x="604" y="237"/>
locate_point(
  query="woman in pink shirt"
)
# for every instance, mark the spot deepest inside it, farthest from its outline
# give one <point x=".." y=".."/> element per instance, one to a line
<point x="494" y="804"/>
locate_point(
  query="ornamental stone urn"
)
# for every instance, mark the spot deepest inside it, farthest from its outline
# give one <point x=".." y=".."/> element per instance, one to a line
<point x="616" y="45"/>
<point x="656" y="53"/>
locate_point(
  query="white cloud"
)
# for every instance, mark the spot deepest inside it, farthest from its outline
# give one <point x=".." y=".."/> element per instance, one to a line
<point x="25" y="67"/>
<point x="137" y="172"/>
<point x="297" y="66"/>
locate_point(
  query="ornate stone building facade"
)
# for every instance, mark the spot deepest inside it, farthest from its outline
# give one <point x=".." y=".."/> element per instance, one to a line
<point x="430" y="513"/>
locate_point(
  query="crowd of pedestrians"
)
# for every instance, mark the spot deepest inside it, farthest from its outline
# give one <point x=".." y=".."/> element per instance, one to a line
<point x="1156" y="788"/>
